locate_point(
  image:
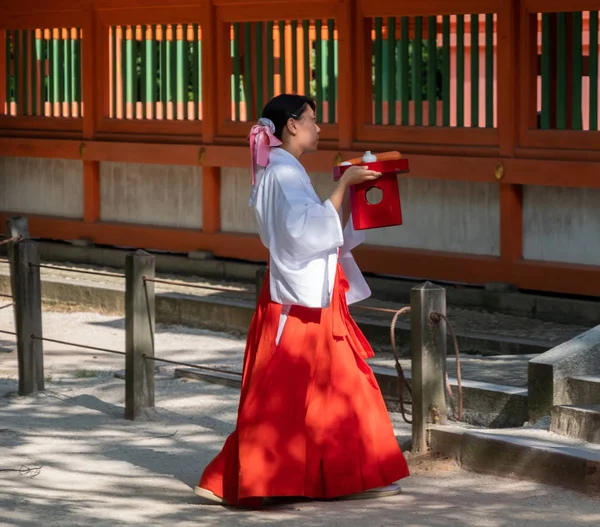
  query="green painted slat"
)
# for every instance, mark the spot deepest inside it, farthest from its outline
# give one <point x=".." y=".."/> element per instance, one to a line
<point x="561" y="73"/>
<point x="489" y="71"/>
<point x="68" y="68"/>
<point x="199" y="46"/>
<point x="474" y="70"/>
<point x="260" y="87"/>
<point x="546" y="72"/>
<point x="43" y="77"/>
<point x="154" y="69"/>
<point x="143" y="69"/>
<point x="129" y="69"/>
<point x="378" y="77"/>
<point x="60" y="71"/>
<point x="404" y="71"/>
<point x="24" y="57"/>
<point x="417" y="60"/>
<point x="391" y="50"/>
<point x="163" y="68"/>
<point x="294" y="24"/>
<point x="577" y="70"/>
<point x="270" y="62"/>
<point x="195" y="69"/>
<point x="16" y="68"/>
<point x="113" y="59"/>
<point x="319" y="69"/>
<point x="593" y="67"/>
<point x="282" y="57"/>
<point x="78" y="87"/>
<point x="306" y="46"/>
<point x="460" y="70"/>
<point x="331" y="77"/>
<point x="250" y="114"/>
<point x="34" y="76"/>
<point x="446" y="70"/>
<point x="236" y="69"/>
<point x="135" y="50"/>
<point x="56" y="65"/>
<point x="123" y="71"/>
<point x="432" y="69"/>
<point x="185" y="71"/>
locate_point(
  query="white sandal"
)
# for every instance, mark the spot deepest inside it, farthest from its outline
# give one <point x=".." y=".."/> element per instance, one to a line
<point x="208" y="495"/>
<point x="379" y="492"/>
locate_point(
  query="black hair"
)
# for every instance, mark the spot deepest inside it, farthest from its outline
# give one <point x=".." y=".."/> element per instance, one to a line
<point x="286" y="106"/>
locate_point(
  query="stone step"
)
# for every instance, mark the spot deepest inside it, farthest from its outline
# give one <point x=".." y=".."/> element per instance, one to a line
<point x="584" y="389"/>
<point x="525" y="454"/>
<point x="578" y="422"/>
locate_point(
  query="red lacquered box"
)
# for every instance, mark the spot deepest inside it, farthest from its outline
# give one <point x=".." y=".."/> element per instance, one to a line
<point x="388" y="211"/>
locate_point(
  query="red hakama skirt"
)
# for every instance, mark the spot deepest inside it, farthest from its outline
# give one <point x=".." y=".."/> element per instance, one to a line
<point x="311" y="420"/>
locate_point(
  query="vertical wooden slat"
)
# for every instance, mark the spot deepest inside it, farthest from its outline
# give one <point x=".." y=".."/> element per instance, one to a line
<point x="149" y="39"/>
<point x="163" y="70"/>
<point x="124" y="66"/>
<point x="331" y="74"/>
<point x="34" y="71"/>
<point x="417" y="70"/>
<point x="236" y="70"/>
<point x="113" y="64"/>
<point x="135" y="49"/>
<point x="68" y="66"/>
<point x="44" y="75"/>
<point x="195" y="72"/>
<point x="306" y="44"/>
<point x="446" y="70"/>
<point x="130" y="101"/>
<point x="143" y="68"/>
<point x="60" y="67"/>
<point x="25" y="70"/>
<point x="173" y="70"/>
<point x="282" y="79"/>
<point x="5" y="69"/>
<point x="489" y="70"/>
<point x="474" y="70"/>
<point x="546" y="72"/>
<point x="561" y="67"/>
<point x="391" y="47"/>
<point x="577" y="70"/>
<point x="250" y="114"/>
<point x="346" y="97"/>
<point x="378" y="77"/>
<point x="460" y="70"/>
<point x="258" y="64"/>
<point x="404" y="71"/>
<point x="270" y="58"/>
<point x="185" y="70"/>
<point x="16" y="71"/>
<point x="294" y="25"/>
<point x="319" y="69"/>
<point x="593" y="70"/>
<point x="154" y="70"/>
<point x="432" y="69"/>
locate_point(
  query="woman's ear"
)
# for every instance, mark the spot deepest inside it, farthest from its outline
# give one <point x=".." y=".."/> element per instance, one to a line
<point x="291" y="126"/>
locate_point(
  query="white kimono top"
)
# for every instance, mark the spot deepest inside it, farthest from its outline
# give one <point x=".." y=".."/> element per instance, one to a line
<point x="303" y="235"/>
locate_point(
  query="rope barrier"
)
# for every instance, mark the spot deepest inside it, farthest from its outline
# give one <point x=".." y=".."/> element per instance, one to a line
<point x="4" y="240"/>
<point x="195" y="366"/>
<point x="93" y="348"/>
<point x="8" y="332"/>
<point x="7" y="305"/>
<point x="79" y="271"/>
<point x="5" y="296"/>
<point x="402" y="382"/>
<point x="193" y="286"/>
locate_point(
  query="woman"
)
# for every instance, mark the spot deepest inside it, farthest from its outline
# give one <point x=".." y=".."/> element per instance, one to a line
<point x="311" y="421"/>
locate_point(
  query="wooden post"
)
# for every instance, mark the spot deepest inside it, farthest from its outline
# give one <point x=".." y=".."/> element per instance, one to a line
<point x="16" y="226"/>
<point x="27" y="296"/>
<point x="139" y="333"/>
<point x="428" y="356"/>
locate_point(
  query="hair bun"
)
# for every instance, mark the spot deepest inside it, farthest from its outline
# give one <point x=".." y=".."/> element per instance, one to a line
<point x="265" y="121"/>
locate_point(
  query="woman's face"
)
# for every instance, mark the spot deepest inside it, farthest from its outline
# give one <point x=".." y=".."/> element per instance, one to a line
<point x="305" y="131"/>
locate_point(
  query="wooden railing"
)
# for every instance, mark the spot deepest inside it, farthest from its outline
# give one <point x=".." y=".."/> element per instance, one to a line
<point x="491" y="91"/>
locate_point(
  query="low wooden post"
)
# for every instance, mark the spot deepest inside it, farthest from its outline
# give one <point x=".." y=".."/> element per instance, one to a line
<point x="15" y="226"/>
<point x="139" y="333"/>
<point x="27" y="296"/>
<point x="428" y="357"/>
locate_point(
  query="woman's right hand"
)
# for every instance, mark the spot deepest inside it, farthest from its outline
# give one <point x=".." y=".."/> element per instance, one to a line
<point x="359" y="174"/>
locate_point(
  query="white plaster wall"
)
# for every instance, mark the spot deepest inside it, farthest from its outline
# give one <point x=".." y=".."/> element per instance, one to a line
<point x="164" y="195"/>
<point x="236" y="214"/>
<point x="52" y="187"/>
